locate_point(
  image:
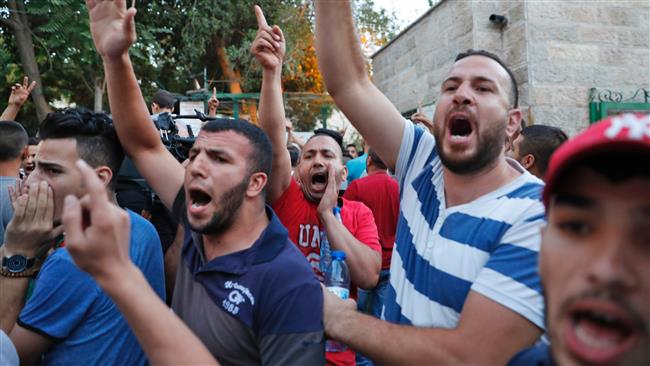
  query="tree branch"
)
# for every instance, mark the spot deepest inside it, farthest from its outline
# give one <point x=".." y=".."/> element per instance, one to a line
<point x="12" y="25"/>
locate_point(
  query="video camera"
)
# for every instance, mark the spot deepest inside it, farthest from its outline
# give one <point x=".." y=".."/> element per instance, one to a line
<point x="176" y="145"/>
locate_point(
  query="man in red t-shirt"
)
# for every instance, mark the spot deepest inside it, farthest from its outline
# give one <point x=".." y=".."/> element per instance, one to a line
<point x="304" y="203"/>
<point x="380" y="192"/>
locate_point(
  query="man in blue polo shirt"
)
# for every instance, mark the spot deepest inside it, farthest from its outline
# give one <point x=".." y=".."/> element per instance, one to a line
<point x="241" y="286"/>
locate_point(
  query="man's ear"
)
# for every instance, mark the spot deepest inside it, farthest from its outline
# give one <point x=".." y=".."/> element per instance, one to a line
<point x="256" y="184"/>
<point x="528" y="161"/>
<point x="105" y="174"/>
<point x="514" y="122"/>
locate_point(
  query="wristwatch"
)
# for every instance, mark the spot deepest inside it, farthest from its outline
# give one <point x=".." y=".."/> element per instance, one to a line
<point x="17" y="266"/>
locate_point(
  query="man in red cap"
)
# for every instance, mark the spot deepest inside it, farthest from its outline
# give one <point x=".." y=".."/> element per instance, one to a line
<point x="595" y="252"/>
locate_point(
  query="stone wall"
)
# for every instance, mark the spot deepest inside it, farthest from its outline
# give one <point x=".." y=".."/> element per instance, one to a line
<point x="558" y="50"/>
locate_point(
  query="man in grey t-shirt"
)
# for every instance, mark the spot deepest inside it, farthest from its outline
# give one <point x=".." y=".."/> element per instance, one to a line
<point x="13" y="149"/>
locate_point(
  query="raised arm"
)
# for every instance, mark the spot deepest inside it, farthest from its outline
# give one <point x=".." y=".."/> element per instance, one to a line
<point x="342" y="64"/>
<point x="18" y="97"/>
<point x="101" y="248"/>
<point x="113" y="31"/>
<point x="268" y="48"/>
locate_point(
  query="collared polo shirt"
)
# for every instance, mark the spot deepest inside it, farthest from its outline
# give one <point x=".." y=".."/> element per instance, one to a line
<point x="262" y="305"/>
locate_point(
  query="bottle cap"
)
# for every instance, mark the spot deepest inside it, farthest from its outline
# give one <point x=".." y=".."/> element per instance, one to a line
<point x="338" y="254"/>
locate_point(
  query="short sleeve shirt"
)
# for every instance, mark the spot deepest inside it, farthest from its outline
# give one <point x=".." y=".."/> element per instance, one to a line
<point x="69" y="307"/>
<point x="380" y="192"/>
<point x="300" y="217"/>
<point x="489" y="245"/>
<point x="6" y="209"/>
<point x="262" y="305"/>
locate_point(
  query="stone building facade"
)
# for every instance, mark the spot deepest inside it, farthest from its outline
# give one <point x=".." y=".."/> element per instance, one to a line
<point x="558" y="51"/>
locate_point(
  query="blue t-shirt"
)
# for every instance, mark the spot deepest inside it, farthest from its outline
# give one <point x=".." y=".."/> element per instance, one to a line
<point x="356" y="167"/>
<point x="69" y="307"/>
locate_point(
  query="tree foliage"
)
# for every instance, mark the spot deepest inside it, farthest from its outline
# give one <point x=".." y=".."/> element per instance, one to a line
<point x="177" y="41"/>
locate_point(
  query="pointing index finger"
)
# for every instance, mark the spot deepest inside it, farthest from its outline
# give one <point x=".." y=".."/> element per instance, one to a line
<point x="261" y="20"/>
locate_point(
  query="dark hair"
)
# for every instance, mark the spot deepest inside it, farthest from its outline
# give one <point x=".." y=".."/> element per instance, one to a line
<point x="13" y="139"/>
<point x="541" y="141"/>
<point x="261" y="159"/>
<point x="513" y="87"/>
<point x="621" y="165"/>
<point x="331" y="133"/>
<point x="32" y="141"/>
<point x="353" y="145"/>
<point x="164" y="99"/>
<point x="294" y="154"/>
<point x="97" y="142"/>
<point x="376" y="160"/>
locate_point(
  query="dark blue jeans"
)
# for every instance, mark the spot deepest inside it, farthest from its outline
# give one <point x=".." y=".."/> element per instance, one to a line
<point x="371" y="302"/>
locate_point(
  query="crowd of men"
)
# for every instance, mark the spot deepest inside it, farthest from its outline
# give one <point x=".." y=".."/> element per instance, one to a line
<point x="469" y="239"/>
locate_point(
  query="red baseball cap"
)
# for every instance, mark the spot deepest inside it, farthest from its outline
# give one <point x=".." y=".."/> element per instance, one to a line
<point x="621" y="133"/>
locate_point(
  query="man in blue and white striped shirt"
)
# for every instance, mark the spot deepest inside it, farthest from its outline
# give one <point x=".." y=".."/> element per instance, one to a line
<point x="464" y="267"/>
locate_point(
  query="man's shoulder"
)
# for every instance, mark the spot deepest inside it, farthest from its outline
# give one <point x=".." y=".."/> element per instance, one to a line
<point x="288" y="267"/>
<point x="291" y="197"/>
<point x="143" y="233"/>
<point x="354" y="208"/>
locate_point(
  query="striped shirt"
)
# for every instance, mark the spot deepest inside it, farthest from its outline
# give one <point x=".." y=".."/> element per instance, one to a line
<point x="489" y="245"/>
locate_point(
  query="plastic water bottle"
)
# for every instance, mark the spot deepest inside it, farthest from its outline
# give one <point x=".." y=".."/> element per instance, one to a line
<point x="325" y="252"/>
<point x="325" y="249"/>
<point x="337" y="280"/>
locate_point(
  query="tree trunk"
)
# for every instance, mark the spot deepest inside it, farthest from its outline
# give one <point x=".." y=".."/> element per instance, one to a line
<point x="20" y="28"/>
<point x="249" y="107"/>
<point x="99" y="94"/>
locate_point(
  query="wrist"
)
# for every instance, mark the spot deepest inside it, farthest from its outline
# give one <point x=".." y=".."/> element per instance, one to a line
<point x="119" y="60"/>
<point x="325" y="214"/>
<point x="11" y="249"/>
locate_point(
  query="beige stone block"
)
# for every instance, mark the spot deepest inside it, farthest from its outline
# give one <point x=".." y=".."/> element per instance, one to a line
<point x="516" y="13"/>
<point x="573" y="52"/>
<point x="548" y="31"/>
<point x="636" y="37"/>
<point x="537" y="52"/>
<point x="543" y="73"/>
<point x="521" y="73"/>
<point x="629" y="56"/>
<point x="514" y="56"/>
<point x="514" y="36"/>
<point x="601" y="35"/>
<point x="621" y="16"/>
<point x="490" y="41"/>
<point x="555" y="95"/>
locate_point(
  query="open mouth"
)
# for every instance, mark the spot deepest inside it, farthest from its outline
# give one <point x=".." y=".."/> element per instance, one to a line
<point x="319" y="178"/>
<point x="600" y="333"/>
<point x="199" y="198"/>
<point x="459" y="128"/>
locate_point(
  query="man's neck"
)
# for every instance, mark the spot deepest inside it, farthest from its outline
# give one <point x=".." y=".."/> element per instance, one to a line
<point x="10" y="168"/>
<point x="461" y="189"/>
<point x="372" y="170"/>
<point x="248" y="225"/>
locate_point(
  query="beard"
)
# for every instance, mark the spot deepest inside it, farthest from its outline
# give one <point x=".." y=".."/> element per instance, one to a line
<point x="228" y="205"/>
<point x="489" y="147"/>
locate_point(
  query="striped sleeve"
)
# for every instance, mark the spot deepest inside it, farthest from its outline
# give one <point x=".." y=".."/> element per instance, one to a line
<point x="510" y="277"/>
<point x="412" y="155"/>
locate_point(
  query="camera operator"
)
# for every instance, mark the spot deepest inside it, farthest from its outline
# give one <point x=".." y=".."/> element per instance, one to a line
<point x="161" y="103"/>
